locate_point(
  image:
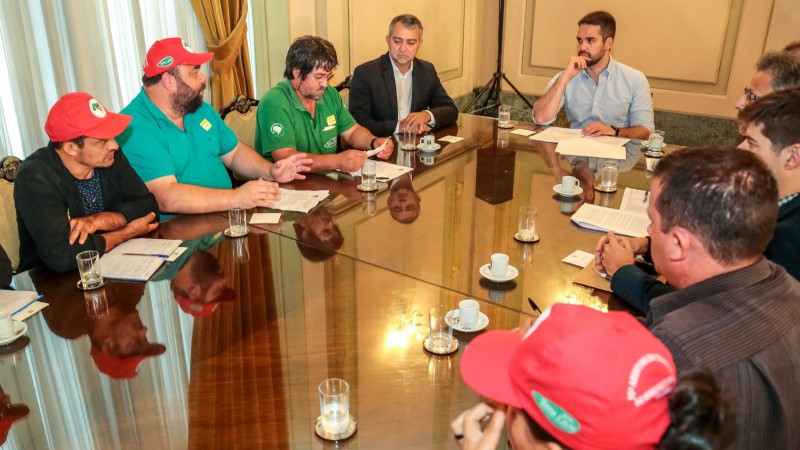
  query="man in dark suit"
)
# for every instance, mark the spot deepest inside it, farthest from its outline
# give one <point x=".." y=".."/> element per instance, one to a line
<point x="398" y="91"/>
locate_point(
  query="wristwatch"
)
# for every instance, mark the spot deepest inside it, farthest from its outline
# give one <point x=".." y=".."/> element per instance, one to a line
<point x="616" y="130"/>
<point x="372" y="144"/>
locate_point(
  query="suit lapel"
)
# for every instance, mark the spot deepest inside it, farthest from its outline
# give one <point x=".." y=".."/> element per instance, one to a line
<point x="388" y="78"/>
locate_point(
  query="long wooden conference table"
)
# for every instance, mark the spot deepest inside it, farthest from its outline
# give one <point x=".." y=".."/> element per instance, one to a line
<point x="291" y="309"/>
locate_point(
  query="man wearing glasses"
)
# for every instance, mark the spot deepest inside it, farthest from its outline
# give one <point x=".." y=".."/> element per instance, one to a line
<point x="304" y="113"/>
<point x="775" y="71"/>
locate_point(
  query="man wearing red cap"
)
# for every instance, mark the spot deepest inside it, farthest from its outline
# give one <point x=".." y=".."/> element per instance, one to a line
<point x="180" y="146"/>
<point x="79" y="193"/>
<point x="304" y="113"/>
<point x="582" y="379"/>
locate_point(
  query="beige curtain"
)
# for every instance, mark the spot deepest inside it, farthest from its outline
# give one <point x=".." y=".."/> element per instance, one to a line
<point x="224" y="23"/>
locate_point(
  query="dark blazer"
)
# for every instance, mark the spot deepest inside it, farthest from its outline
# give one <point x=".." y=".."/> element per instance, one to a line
<point x="373" y="95"/>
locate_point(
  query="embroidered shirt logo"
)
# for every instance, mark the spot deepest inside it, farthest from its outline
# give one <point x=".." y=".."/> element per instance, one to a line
<point x="165" y="61"/>
<point x="96" y="108"/>
<point x="276" y="129"/>
<point x="205" y="124"/>
<point x="331" y="143"/>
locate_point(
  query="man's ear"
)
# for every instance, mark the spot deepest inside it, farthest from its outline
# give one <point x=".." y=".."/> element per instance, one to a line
<point x="296" y="74"/>
<point x="792" y="156"/>
<point x="609" y="42"/>
<point x="70" y="148"/>
<point x="681" y="242"/>
<point x="168" y="81"/>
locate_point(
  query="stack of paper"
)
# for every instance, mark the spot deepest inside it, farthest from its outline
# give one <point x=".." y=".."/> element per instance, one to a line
<point x="137" y="259"/>
<point x="20" y="304"/>
<point x="386" y="170"/>
<point x="573" y="143"/>
<point x="632" y="220"/>
<point x="301" y="201"/>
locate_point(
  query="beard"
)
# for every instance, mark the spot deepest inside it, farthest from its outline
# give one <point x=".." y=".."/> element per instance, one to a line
<point x="593" y="59"/>
<point x="185" y="100"/>
<point x="311" y="95"/>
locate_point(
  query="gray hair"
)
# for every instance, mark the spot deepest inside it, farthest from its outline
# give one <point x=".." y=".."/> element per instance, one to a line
<point x="409" y="21"/>
<point x="784" y="68"/>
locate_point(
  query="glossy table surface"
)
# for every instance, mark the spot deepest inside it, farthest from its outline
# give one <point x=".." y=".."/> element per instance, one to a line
<point x="243" y="372"/>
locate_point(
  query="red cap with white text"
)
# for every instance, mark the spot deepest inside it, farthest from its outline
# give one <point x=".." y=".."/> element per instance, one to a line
<point x="79" y="114"/>
<point x="593" y="380"/>
<point x="170" y="52"/>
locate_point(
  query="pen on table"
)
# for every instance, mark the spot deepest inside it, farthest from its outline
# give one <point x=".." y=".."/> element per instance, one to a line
<point x="158" y="255"/>
<point x="533" y="305"/>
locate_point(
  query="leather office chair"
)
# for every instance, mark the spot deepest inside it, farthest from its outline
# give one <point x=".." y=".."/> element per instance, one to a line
<point x="240" y="116"/>
<point x="9" y="235"/>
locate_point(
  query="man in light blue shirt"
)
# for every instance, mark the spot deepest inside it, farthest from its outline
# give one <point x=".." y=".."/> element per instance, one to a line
<point x="603" y="97"/>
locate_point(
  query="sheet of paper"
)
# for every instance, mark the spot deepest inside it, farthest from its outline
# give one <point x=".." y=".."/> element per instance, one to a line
<point x="13" y="302"/>
<point x="451" y="139"/>
<point x="300" y="201"/>
<point x="589" y="277"/>
<point x="591" y="147"/>
<point x="377" y="150"/>
<point x="557" y="134"/>
<point x="635" y="201"/>
<point x="600" y="218"/>
<point x="129" y="267"/>
<point x="265" y="218"/>
<point x="386" y="171"/>
<point x="29" y="310"/>
<point x="143" y="246"/>
<point x="579" y="258"/>
<point x="176" y="254"/>
<point x="522" y="132"/>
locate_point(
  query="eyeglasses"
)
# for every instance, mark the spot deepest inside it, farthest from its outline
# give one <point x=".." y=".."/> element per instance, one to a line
<point x="322" y="77"/>
<point x="750" y="96"/>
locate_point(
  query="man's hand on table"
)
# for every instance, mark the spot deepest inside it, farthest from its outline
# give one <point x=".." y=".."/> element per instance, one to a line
<point x="613" y="252"/>
<point x="257" y="193"/>
<point x="417" y="122"/>
<point x="291" y="168"/>
<point x="466" y="428"/>
<point x="598" y="129"/>
<point x="352" y="160"/>
<point x="81" y="227"/>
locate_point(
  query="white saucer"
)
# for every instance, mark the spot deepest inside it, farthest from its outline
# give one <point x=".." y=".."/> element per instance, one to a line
<point x="432" y="149"/>
<point x="558" y="190"/>
<point x="351" y="430"/>
<point x="19" y="329"/>
<point x="452" y="319"/>
<point x="511" y="273"/>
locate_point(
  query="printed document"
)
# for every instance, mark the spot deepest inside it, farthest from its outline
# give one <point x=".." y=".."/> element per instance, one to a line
<point x="300" y="201"/>
<point x="557" y="134"/>
<point x="626" y="223"/>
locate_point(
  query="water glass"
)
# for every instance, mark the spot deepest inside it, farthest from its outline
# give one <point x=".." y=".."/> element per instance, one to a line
<point x="89" y="268"/>
<point x="609" y="174"/>
<point x="237" y="218"/>
<point x="656" y="141"/>
<point x="369" y="173"/>
<point x="334" y="405"/>
<point x="408" y="140"/>
<point x="441" y="333"/>
<point x="526" y="223"/>
<point x="504" y="116"/>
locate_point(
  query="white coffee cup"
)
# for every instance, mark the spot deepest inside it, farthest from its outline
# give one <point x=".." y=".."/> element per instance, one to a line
<point x="499" y="264"/>
<point x="427" y="141"/>
<point x="6" y="325"/>
<point x="468" y="312"/>
<point x="569" y="184"/>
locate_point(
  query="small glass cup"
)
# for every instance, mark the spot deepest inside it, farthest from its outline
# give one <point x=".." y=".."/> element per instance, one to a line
<point x="504" y="116"/>
<point x="526" y="223"/>
<point x="656" y="141"/>
<point x="89" y="268"/>
<point x="408" y="140"/>
<point x="334" y="405"/>
<point x="608" y="175"/>
<point x="369" y="171"/>
<point x="440" y="332"/>
<point x="237" y="218"/>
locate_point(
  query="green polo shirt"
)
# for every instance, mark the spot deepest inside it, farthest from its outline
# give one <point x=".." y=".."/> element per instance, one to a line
<point x="283" y="122"/>
<point x="156" y="147"/>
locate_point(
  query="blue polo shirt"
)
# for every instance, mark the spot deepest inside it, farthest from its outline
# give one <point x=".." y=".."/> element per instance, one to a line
<point x="283" y="122"/>
<point x="156" y="147"/>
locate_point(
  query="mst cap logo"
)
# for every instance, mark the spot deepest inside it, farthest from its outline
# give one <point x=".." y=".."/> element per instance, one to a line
<point x="657" y="390"/>
<point x="186" y="46"/>
<point x="96" y="108"/>
<point x="165" y="61"/>
<point x="276" y="129"/>
<point x="556" y="414"/>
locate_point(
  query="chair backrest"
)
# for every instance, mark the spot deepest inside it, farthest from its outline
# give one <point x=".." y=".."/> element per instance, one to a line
<point x="344" y="90"/>
<point x="240" y="116"/>
<point x="9" y="235"/>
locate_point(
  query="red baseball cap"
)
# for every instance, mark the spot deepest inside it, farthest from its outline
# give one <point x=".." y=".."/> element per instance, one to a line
<point x="79" y="114"/>
<point x="592" y="380"/>
<point x="122" y="368"/>
<point x="170" y="52"/>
